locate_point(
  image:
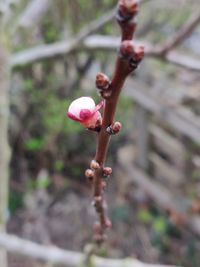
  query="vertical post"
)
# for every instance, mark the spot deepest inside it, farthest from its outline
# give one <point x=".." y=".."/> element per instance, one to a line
<point x="4" y="147"/>
<point x="142" y="139"/>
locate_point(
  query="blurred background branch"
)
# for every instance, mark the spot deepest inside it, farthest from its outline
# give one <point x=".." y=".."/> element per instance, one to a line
<point x="79" y="42"/>
<point x="33" y="13"/>
<point x="96" y="42"/>
<point x="61" y="257"/>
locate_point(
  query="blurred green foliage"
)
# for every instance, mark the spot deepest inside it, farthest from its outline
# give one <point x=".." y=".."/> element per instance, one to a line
<point x="34" y="144"/>
<point x="15" y="201"/>
<point x="144" y="216"/>
<point x="120" y="213"/>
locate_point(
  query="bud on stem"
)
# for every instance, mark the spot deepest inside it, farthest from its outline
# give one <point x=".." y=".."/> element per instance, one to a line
<point x="139" y="53"/>
<point x="107" y="171"/>
<point x="94" y="165"/>
<point x="128" y="8"/>
<point x="127" y="49"/>
<point x="89" y="174"/>
<point x="114" y="128"/>
<point x="102" y="81"/>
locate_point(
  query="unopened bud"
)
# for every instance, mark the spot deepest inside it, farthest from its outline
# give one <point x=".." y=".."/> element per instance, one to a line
<point x="128" y="7"/>
<point x="89" y="174"/>
<point x="114" y="128"/>
<point x="108" y="223"/>
<point x="94" y="165"/>
<point x="102" y="81"/>
<point x="137" y="57"/>
<point x="127" y="48"/>
<point x="139" y="52"/>
<point x="107" y="171"/>
<point x="85" y="111"/>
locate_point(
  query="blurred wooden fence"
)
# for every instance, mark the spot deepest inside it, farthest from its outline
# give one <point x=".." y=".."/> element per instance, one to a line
<point x="167" y="159"/>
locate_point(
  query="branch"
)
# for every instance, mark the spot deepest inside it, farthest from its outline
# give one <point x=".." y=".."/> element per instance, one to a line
<point x="60" y="48"/>
<point x="62" y="257"/>
<point x="100" y="42"/>
<point x="36" y="8"/>
<point x="128" y="59"/>
<point x="81" y="42"/>
<point x="33" y="13"/>
<point x="180" y="60"/>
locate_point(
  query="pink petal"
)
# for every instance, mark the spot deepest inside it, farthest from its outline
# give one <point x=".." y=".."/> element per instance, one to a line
<point x="92" y="121"/>
<point x="80" y="104"/>
<point x="71" y="116"/>
<point x="85" y="114"/>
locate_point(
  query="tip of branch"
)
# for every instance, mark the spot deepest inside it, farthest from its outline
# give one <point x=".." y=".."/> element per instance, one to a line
<point x="128" y="8"/>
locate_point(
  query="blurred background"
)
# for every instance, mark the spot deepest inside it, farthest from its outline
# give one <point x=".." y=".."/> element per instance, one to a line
<point x="153" y="194"/>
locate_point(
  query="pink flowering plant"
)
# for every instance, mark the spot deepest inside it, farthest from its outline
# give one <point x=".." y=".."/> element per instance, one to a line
<point x="84" y="110"/>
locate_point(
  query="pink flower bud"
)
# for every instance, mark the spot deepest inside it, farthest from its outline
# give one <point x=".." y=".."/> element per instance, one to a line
<point x="107" y="171"/>
<point x="108" y="223"/>
<point x="139" y="52"/>
<point x="127" y="48"/>
<point x="94" y="165"/>
<point x="83" y="109"/>
<point x="89" y="174"/>
<point x="116" y="127"/>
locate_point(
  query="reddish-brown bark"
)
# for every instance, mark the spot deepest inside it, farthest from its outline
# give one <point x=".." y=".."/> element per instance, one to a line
<point x="127" y="61"/>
